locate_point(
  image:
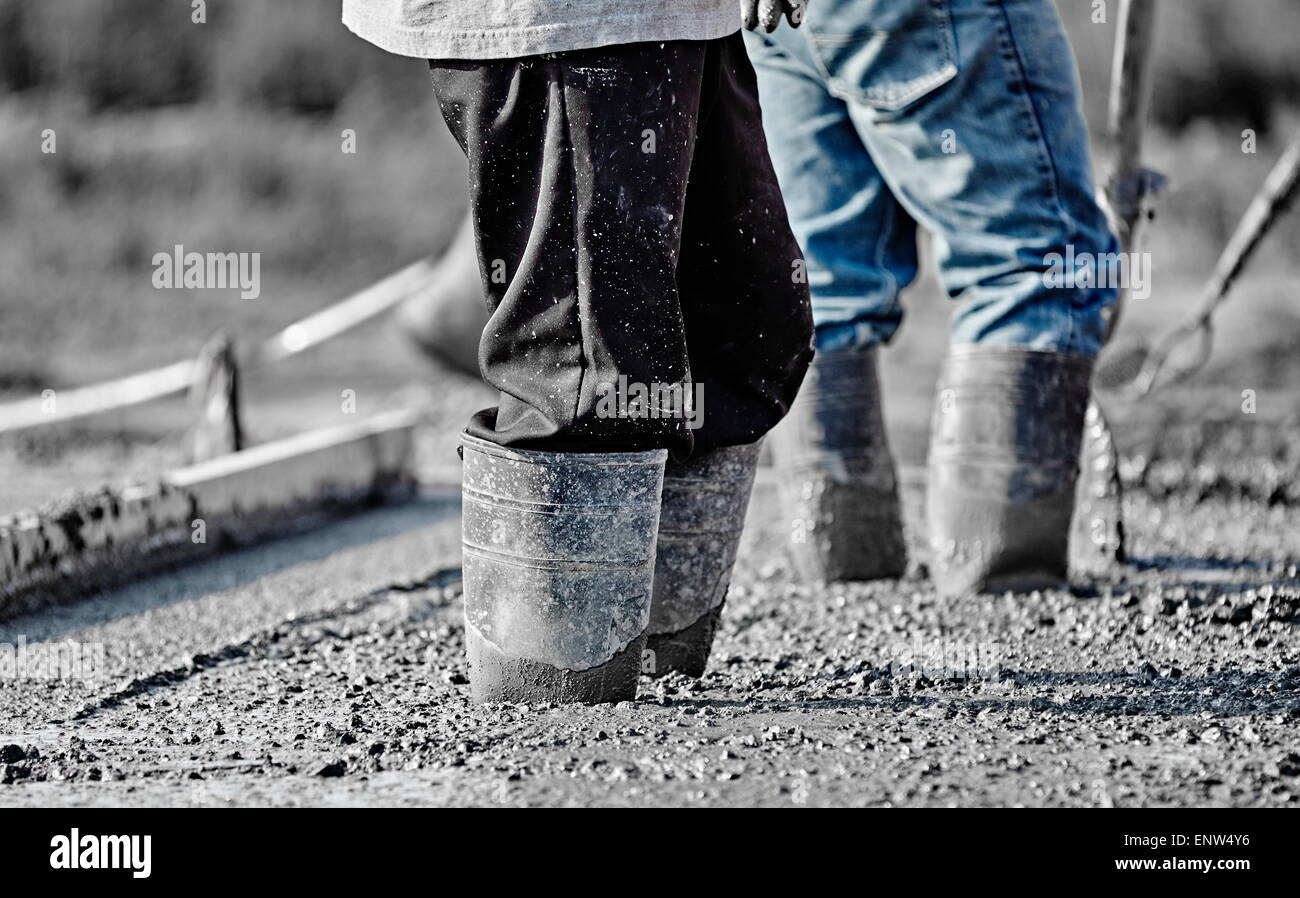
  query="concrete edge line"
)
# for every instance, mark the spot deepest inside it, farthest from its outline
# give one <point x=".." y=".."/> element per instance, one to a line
<point x="50" y="554"/>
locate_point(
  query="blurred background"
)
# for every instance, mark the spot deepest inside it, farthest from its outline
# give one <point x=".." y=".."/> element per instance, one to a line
<point x="226" y="136"/>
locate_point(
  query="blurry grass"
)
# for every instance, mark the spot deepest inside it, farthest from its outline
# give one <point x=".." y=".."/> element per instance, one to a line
<point x="79" y="228"/>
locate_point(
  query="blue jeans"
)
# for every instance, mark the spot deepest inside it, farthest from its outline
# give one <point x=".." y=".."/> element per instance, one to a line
<point x="962" y="116"/>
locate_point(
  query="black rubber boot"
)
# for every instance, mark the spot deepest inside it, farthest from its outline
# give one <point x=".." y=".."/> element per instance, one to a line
<point x="559" y="552"/>
<point x="700" y="522"/>
<point x="836" y="477"/>
<point x="1004" y="457"/>
<point x="445" y="319"/>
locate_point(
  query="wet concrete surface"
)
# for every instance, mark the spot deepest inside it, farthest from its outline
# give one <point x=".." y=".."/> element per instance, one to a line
<point x="328" y="668"/>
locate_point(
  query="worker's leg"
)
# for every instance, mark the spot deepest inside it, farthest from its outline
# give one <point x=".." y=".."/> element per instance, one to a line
<point x="837" y="479"/>
<point x="749" y="335"/>
<point x="578" y="176"/>
<point x="740" y="273"/>
<point x="577" y="232"/>
<point x="579" y="167"/>
<point x="859" y="243"/>
<point x="971" y="110"/>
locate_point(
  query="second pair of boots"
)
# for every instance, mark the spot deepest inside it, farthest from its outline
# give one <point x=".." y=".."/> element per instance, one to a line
<point x="584" y="570"/>
<point x="1005" y="436"/>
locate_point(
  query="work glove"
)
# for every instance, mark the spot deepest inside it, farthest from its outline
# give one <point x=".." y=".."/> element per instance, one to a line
<point x="766" y="14"/>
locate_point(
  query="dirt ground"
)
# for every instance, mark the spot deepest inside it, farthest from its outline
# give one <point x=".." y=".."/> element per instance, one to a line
<point x="327" y="668"/>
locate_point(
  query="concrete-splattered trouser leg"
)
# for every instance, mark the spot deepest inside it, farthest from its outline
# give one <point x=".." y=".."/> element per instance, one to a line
<point x="835" y="474"/>
<point x="633" y="242"/>
<point x="1004" y="457"/>
<point x="559" y="555"/>
<point x="700" y="522"/>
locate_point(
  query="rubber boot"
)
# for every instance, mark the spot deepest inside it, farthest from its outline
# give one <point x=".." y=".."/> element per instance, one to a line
<point x="836" y="477"/>
<point x="559" y="552"/>
<point x="700" y="522"/>
<point x="1004" y="457"/>
<point x="445" y="319"/>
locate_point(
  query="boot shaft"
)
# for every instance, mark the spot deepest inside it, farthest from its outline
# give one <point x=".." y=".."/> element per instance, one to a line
<point x="701" y="520"/>
<point x="558" y="562"/>
<point x="1004" y="454"/>
<point x="836" y="476"/>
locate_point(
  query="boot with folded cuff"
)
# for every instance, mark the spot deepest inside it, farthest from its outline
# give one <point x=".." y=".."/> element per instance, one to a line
<point x="700" y="522"/>
<point x="836" y="477"/>
<point x="1004" y="457"/>
<point x="559" y="551"/>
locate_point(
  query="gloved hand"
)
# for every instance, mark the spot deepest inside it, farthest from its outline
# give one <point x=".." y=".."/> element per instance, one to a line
<point x="767" y="13"/>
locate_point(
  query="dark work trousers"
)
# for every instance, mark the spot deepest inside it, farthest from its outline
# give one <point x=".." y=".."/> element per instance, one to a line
<point x="630" y="235"/>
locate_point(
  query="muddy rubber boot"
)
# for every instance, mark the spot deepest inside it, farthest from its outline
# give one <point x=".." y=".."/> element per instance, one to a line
<point x="700" y="522"/>
<point x="445" y="319"/>
<point x="836" y="477"/>
<point x="1004" y="456"/>
<point x="559" y="552"/>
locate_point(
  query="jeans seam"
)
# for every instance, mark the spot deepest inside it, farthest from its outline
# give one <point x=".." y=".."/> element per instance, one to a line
<point x="1016" y="59"/>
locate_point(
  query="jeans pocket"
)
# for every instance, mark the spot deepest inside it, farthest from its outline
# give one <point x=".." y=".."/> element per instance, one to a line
<point x="886" y="54"/>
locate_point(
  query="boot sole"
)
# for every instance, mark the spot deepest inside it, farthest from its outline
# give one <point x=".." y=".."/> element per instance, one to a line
<point x="497" y="677"/>
<point x="687" y="650"/>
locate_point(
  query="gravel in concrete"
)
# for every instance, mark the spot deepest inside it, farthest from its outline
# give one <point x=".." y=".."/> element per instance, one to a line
<point x="328" y="668"/>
